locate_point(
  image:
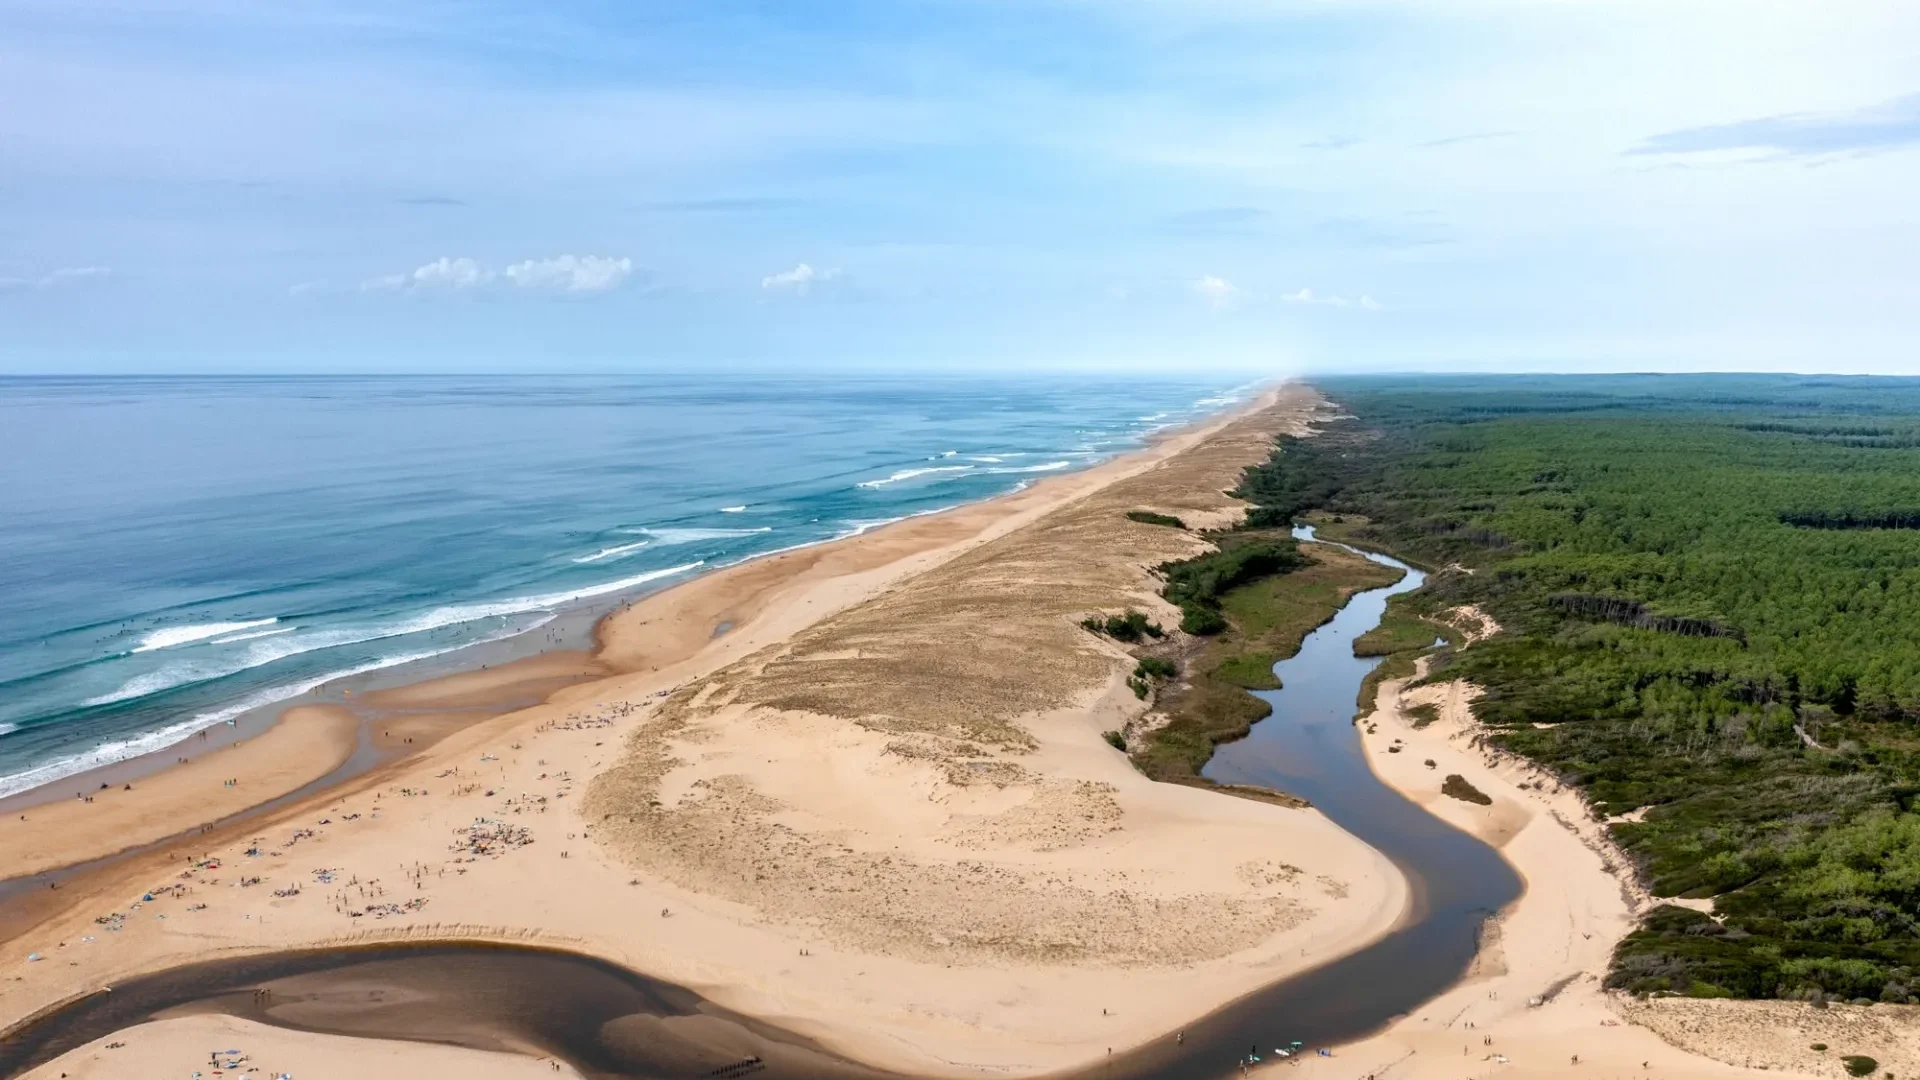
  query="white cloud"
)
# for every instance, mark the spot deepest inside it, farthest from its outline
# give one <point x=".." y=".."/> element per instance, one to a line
<point x="800" y="280"/>
<point x="1313" y="299"/>
<point x="1218" y="292"/>
<point x="571" y="273"/>
<point x="567" y="273"/>
<point x="451" y="274"/>
<point x="308" y="287"/>
<point x="74" y="273"/>
<point x="66" y="275"/>
<point x="442" y="273"/>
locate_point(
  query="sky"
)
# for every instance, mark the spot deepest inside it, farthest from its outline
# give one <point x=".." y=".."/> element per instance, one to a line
<point x="1268" y="186"/>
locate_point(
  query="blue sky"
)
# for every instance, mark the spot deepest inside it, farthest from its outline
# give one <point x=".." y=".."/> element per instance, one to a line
<point x="583" y="185"/>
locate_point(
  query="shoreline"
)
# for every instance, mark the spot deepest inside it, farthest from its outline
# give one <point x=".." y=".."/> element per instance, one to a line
<point x="848" y="997"/>
<point x="611" y="649"/>
<point x="1532" y="1002"/>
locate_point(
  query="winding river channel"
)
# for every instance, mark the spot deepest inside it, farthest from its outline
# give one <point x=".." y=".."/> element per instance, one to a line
<point x="610" y="1022"/>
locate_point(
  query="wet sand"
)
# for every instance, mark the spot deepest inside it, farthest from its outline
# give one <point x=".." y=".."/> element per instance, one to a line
<point x="919" y="1017"/>
<point x="1170" y="886"/>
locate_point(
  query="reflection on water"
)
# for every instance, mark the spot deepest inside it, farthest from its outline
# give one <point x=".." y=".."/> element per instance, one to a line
<point x="610" y="1022"/>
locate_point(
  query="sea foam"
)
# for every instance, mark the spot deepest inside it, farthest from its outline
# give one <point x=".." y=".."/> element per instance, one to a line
<point x="612" y="552"/>
<point x="908" y="474"/>
<point x="693" y="536"/>
<point x="1051" y="466"/>
<point x="182" y="635"/>
<point x="266" y="652"/>
<point x="118" y="750"/>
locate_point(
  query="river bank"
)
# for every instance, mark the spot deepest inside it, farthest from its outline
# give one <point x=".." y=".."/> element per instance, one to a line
<point x="1531" y="1004"/>
<point x="1073" y="866"/>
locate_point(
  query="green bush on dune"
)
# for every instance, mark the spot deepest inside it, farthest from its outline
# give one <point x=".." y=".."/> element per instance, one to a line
<point x="1196" y="585"/>
<point x="1149" y="517"/>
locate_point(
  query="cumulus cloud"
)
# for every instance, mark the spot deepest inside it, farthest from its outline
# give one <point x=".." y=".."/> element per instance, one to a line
<point x="800" y="280"/>
<point x="570" y="273"/>
<point x="1310" y="298"/>
<point x="66" y="275"/>
<point x="562" y="273"/>
<point x="1219" y="293"/>
<point x="442" y="273"/>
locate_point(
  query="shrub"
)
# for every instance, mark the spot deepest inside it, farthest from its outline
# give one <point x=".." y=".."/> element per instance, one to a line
<point x="1116" y="740"/>
<point x="1457" y="786"/>
<point x="1129" y="627"/>
<point x="1819" y="1046"/>
<point x="1148" y="517"/>
<point x="1139" y="688"/>
<point x="1859" y="1065"/>
<point x="1153" y="667"/>
<point x="1202" y="621"/>
<point x="1196" y="584"/>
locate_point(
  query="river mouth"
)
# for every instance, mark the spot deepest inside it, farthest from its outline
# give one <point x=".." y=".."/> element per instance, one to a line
<point x="610" y="1022"/>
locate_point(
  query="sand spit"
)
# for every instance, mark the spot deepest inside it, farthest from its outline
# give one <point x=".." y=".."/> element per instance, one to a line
<point x="181" y="1048"/>
<point x="858" y="790"/>
<point x="1533" y="1003"/>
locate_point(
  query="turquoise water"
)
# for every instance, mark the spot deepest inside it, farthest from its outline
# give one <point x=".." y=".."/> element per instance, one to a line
<point x="177" y="551"/>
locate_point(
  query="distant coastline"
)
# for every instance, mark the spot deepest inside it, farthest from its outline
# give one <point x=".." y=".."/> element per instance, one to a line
<point x="273" y="764"/>
<point x="102" y="747"/>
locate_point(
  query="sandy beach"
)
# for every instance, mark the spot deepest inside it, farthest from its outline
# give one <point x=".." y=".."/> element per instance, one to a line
<point x="860" y="791"/>
<point x="878" y="759"/>
<point x="1553" y="945"/>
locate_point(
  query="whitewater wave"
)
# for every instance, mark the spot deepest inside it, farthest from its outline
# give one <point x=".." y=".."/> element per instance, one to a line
<point x="108" y="753"/>
<point x="666" y="537"/>
<point x="255" y="634"/>
<point x="266" y="652"/>
<point x="908" y="474"/>
<point x="182" y="635"/>
<point x="856" y="528"/>
<point x="1051" y="466"/>
<point x="6" y="728"/>
<point x="741" y="509"/>
<point x="612" y="552"/>
<point x="1151" y="419"/>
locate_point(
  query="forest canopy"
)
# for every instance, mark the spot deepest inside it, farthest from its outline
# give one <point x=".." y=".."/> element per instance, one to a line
<point x="1711" y="592"/>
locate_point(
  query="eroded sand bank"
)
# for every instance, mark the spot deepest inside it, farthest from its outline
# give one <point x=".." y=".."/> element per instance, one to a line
<point x="1554" y="944"/>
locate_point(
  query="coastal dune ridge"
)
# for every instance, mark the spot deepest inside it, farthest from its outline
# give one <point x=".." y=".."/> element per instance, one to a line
<point x="886" y="766"/>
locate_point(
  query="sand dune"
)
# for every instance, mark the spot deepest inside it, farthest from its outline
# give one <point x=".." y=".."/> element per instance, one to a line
<point x="1556" y="941"/>
<point x="873" y="805"/>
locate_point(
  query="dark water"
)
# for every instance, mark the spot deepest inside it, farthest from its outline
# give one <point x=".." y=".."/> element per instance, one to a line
<point x="610" y="1022"/>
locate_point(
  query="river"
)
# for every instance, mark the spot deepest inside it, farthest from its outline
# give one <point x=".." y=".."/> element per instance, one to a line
<point x="609" y="1022"/>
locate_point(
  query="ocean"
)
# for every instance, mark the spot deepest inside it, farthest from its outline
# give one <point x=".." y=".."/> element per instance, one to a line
<point x="175" y="552"/>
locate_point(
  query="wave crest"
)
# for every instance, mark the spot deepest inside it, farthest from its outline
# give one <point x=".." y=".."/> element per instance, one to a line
<point x="185" y="635"/>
